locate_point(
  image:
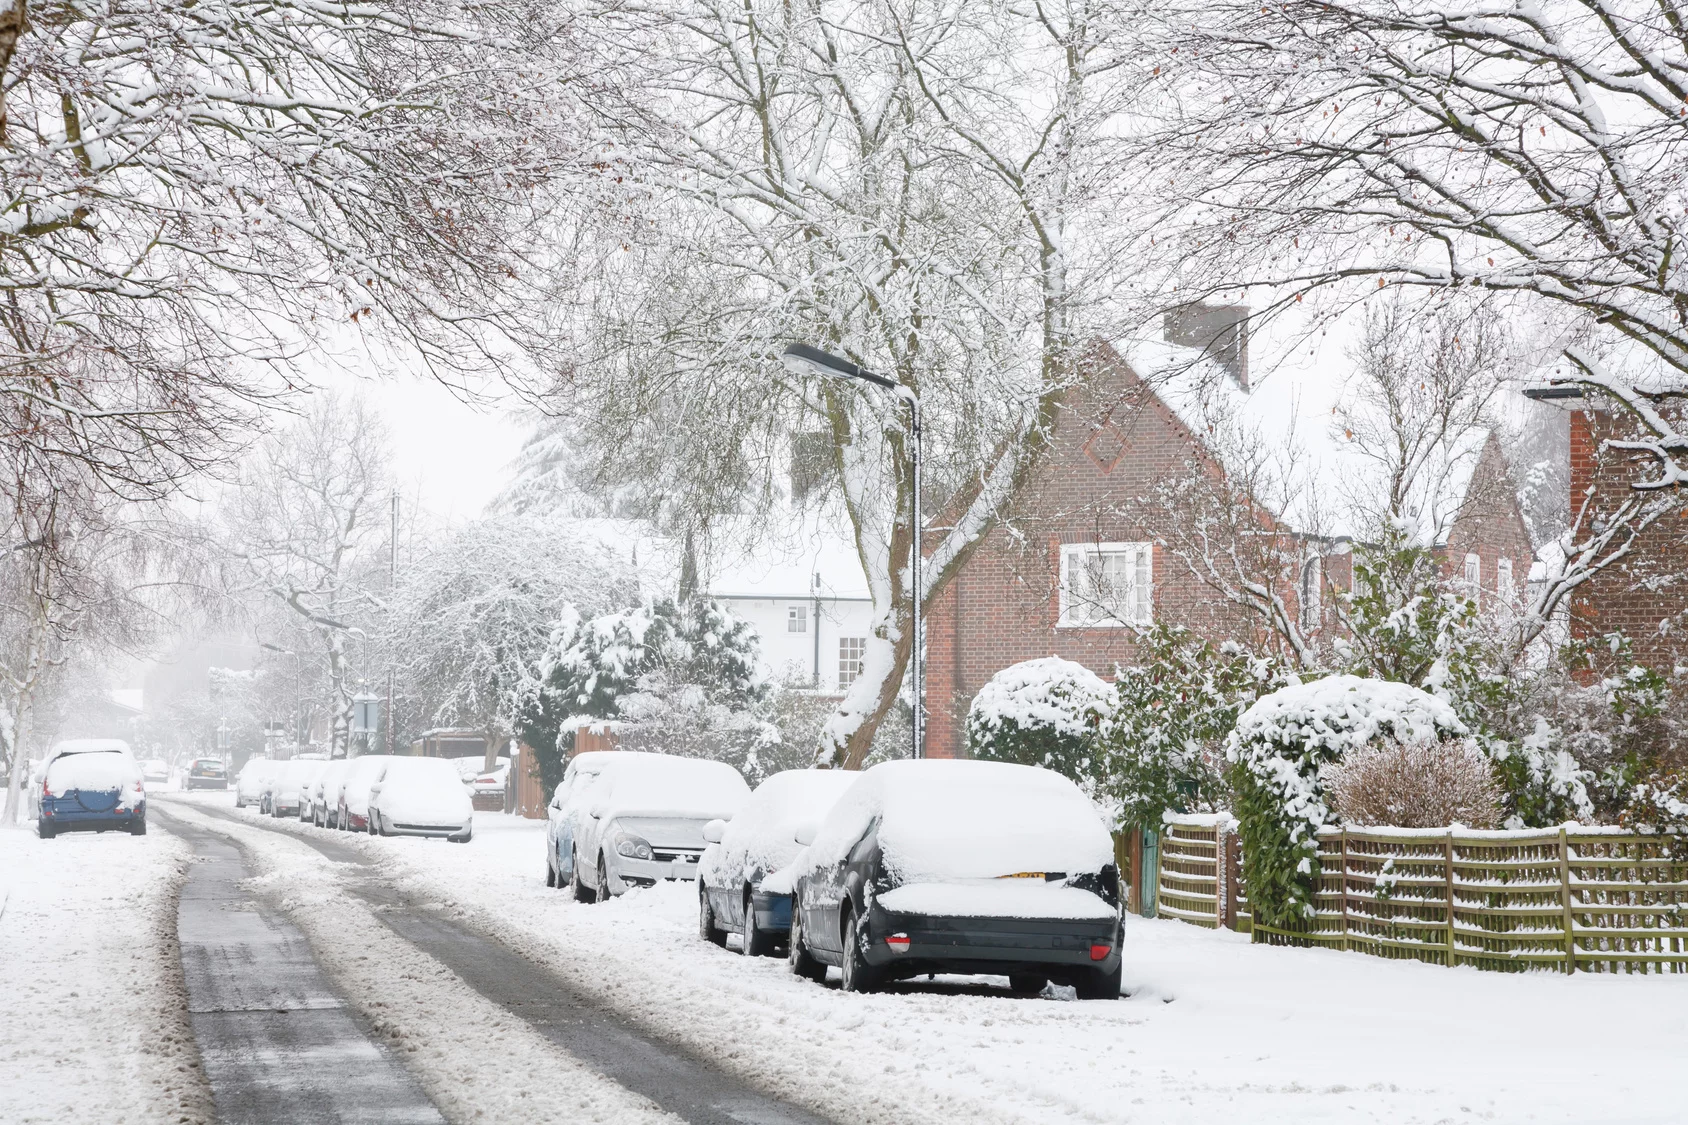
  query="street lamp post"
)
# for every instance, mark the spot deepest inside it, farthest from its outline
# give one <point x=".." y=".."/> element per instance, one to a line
<point x="801" y="359"/>
<point x="296" y="689"/>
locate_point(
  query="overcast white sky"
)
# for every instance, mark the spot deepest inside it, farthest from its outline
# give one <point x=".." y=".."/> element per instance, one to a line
<point x="455" y="456"/>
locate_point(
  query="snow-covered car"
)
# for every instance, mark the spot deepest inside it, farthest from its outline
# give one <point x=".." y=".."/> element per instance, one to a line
<point x="155" y="771"/>
<point x="91" y="785"/>
<point x="207" y="773"/>
<point x="284" y="790"/>
<point x="760" y="840"/>
<point x="354" y="791"/>
<point x="644" y="821"/>
<point x="325" y="793"/>
<point x="421" y="797"/>
<point x="250" y="782"/>
<point x="308" y="788"/>
<point x="940" y="866"/>
<point x="578" y="780"/>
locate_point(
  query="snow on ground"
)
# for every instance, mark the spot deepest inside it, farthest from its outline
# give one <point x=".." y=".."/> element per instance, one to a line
<point x="92" y="1008"/>
<point x="1214" y="1027"/>
<point x="476" y="1061"/>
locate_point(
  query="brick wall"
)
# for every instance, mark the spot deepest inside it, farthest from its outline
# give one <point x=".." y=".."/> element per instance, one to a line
<point x="1490" y="526"/>
<point x="1645" y="596"/>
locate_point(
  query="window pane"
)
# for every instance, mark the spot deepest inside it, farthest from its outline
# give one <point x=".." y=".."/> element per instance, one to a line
<point x="850" y="652"/>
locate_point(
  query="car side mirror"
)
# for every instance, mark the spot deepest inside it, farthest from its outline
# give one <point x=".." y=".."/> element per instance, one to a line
<point x="713" y="830"/>
<point x="805" y="835"/>
<point x="598" y="810"/>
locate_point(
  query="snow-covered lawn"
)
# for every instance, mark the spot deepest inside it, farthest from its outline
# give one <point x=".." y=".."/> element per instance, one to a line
<point x="93" y="1022"/>
<point x="1214" y="1028"/>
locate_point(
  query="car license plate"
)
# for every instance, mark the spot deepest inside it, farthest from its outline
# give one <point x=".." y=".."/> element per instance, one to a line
<point x="1023" y="875"/>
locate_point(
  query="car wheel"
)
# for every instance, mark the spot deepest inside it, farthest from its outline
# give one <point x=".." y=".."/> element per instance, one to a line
<point x="859" y="976"/>
<point x="580" y="891"/>
<point x="463" y="839"/>
<point x="802" y="962"/>
<point x="550" y="873"/>
<point x="1100" y="984"/>
<point x="137" y="828"/>
<point x="706" y="927"/>
<point x="756" y="943"/>
<point x="1026" y="984"/>
<point x="44" y="830"/>
<point x="603" y="879"/>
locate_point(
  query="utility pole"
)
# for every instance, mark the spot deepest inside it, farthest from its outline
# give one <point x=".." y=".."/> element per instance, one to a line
<point x="392" y="582"/>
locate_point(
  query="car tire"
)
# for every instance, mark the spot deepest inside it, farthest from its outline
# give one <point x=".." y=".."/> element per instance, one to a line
<point x="463" y="839"/>
<point x="859" y="976"/>
<point x="137" y="828"/>
<point x="1026" y="984"/>
<point x="44" y="830"/>
<point x="578" y="888"/>
<point x="802" y="962"/>
<point x="604" y="891"/>
<point x="706" y="927"/>
<point x="550" y="873"/>
<point x="756" y="943"/>
<point x="1100" y="984"/>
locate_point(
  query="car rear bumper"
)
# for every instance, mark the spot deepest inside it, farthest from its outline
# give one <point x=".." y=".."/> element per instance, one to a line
<point x="773" y="911"/>
<point x="208" y="783"/>
<point x="991" y="945"/>
<point x="74" y="819"/>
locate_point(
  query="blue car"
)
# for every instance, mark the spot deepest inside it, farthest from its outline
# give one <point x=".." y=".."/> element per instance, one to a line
<point x="92" y="785"/>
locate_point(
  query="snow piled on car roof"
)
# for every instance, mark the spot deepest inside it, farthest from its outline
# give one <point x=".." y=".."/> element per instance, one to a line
<point x="942" y="821"/>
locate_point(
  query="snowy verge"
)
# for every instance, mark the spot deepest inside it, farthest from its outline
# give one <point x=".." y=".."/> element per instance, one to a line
<point x="474" y="1060"/>
<point x="93" y="1009"/>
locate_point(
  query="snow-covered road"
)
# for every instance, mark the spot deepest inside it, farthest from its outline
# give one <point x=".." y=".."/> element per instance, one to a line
<point x="1212" y="1025"/>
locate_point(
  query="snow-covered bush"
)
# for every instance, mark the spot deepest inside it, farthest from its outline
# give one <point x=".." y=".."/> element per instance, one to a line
<point x="1163" y="745"/>
<point x="1420" y="783"/>
<point x="1281" y="755"/>
<point x="1041" y="712"/>
<point x="1659" y="804"/>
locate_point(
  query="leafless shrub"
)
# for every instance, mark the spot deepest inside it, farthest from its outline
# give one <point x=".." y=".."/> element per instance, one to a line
<point x="1420" y="784"/>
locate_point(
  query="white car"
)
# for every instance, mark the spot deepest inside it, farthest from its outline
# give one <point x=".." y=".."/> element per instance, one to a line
<point x="325" y="793"/>
<point x="761" y="840"/>
<point x="578" y="780"/>
<point x="309" y="786"/>
<point x="643" y="821"/>
<point x="156" y="771"/>
<point x="253" y="779"/>
<point x="282" y="793"/>
<point x="421" y="797"/>
<point x="354" y="790"/>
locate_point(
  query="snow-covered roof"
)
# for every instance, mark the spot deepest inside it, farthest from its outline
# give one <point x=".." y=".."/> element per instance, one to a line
<point x="1289" y="417"/>
<point x="784" y="556"/>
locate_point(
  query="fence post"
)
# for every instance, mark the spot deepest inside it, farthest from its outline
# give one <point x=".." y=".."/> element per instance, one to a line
<point x="1343" y="888"/>
<point x="1449" y="871"/>
<point x="1151" y="872"/>
<point x="1134" y="855"/>
<point x="1565" y="891"/>
<point x="1219" y="873"/>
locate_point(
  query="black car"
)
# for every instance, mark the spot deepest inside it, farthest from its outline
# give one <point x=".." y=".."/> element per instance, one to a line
<point x="961" y="867"/>
<point x="208" y="773"/>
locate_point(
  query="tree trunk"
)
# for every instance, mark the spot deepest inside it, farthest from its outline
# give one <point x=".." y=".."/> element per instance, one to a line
<point x="25" y="711"/>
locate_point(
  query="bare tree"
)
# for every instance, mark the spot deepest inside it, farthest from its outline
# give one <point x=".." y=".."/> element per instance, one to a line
<point x="305" y="525"/>
<point x="901" y="183"/>
<point x="1533" y="153"/>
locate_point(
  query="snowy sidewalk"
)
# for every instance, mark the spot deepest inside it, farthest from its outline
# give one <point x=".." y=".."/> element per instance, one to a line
<point x="1214" y="1029"/>
<point x="93" y="1018"/>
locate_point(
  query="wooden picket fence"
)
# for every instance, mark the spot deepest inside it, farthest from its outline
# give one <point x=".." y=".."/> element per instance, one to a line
<point x="1564" y="899"/>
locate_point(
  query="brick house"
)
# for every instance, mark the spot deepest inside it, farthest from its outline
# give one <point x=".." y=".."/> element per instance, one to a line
<point x="1644" y="596"/>
<point x="1025" y="591"/>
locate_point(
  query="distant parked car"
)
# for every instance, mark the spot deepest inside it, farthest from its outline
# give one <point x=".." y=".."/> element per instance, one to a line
<point x="644" y="821"/>
<point x="354" y="792"/>
<point x="282" y="793"/>
<point x="308" y="788"/>
<point x="249" y="783"/>
<point x="208" y="773"/>
<point x="939" y="866"/>
<point x="760" y="840"/>
<point x="325" y="793"/>
<point x="155" y="771"/>
<point x="421" y="797"/>
<point x="578" y="780"/>
<point x="91" y="785"/>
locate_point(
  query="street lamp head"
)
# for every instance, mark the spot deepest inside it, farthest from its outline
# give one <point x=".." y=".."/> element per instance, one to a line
<point x="277" y="648"/>
<point x="802" y="360"/>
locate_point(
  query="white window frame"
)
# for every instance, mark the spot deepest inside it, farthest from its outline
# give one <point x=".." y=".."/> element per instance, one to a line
<point x="860" y="645"/>
<point x="1505" y="585"/>
<point x="1080" y="609"/>
<point x="1474" y="570"/>
<point x="797" y="618"/>
<point x="1312" y="592"/>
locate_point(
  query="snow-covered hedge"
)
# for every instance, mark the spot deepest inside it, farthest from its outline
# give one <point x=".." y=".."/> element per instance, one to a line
<point x="1280" y="754"/>
<point x="1041" y="712"/>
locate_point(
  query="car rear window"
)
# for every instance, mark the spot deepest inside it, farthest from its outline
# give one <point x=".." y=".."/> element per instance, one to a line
<point x="100" y="769"/>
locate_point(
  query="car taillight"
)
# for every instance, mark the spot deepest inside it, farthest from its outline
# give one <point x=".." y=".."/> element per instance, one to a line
<point x="898" y="943"/>
<point x="1100" y="952"/>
